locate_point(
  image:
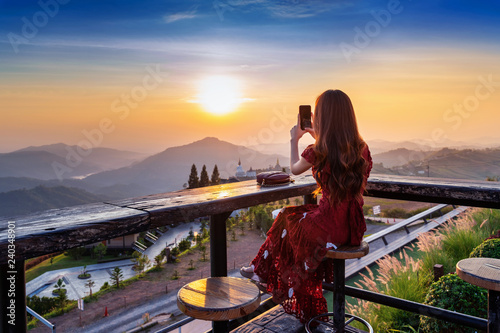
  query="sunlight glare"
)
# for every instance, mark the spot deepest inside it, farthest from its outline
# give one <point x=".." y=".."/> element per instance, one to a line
<point x="219" y="94"/>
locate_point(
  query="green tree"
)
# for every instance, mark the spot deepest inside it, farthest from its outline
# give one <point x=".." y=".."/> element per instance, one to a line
<point x="59" y="286"/>
<point x="184" y="245"/>
<point x="204" y="232"/>
<point x="215" y="180"/>
<point x="61" y="299"/>
<point x="158" y="260"/>
<point x="90" y="284"/>
<point x="204" y="180"/>
<point x="116" y="277"/>
<point x="203" y="250"/>
<point x="141" y="261"/>
<point x="100" y="250"/>
<point x="193" y="181"/>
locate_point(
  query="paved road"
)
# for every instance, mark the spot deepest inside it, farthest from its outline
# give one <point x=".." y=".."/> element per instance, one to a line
<point x="43" y="285"/>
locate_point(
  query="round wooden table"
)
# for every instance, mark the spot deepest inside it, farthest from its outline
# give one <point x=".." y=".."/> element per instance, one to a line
<point x="485" y="273"/>
<point x="218" y="299"/>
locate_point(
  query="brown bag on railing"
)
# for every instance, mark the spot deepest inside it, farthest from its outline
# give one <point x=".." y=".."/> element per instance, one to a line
<point x="273" y="178"/>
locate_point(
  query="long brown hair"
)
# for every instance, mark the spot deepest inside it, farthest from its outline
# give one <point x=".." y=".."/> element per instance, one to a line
<point x="338" y="147"/>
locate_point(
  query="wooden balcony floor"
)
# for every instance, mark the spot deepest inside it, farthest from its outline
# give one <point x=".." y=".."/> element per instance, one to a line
<point x="277" y="321"/>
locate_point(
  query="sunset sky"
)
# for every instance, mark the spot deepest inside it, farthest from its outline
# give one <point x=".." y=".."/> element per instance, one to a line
<point x="147" y="75"/>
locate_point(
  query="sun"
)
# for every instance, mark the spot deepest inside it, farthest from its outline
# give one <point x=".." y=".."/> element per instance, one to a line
<point x="219" y="95"/>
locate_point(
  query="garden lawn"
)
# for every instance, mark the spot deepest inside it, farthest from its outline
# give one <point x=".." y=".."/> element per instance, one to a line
<point x="59" y="262"/>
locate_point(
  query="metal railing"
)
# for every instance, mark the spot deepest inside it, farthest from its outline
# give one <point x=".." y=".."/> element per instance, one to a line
<point x="62" y="229"/>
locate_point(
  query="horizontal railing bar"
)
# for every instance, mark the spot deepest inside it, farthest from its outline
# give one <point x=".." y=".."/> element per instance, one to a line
<point x="43" y="320"/>
<point x="472" y="193"/>
<point x="404" y="223"/>
<point x="373" y="256"/>
<point x="422" y="309"/>
<point x="176" y="325"/>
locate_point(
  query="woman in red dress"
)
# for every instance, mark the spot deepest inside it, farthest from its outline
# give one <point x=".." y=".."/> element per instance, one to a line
<point x="290" y="265"/>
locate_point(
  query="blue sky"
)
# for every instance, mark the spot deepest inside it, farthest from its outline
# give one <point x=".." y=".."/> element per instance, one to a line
<point x="276" y="47"/>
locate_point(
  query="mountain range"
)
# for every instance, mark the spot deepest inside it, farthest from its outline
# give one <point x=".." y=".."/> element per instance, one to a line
<point x="118" y="174"/>
<point x="40" y="198"/>
<point x="132" y="175"/>
<point x="169" y="170"/>
<point x="41" y="162"/>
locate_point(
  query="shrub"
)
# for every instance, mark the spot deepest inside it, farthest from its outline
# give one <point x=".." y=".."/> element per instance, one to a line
<point x="30" y="263"/>
<point x="100" y="250"/>
<point x="490" y="248"/>
<point x="41" y="305"/>
<point x="184" y="245"/>
<point x="175" y="251"/>
<point x="76" y="253"/>
<point x="105" y="286"/>
<point x="452" y="293"/>
<point x="263" y="217"/>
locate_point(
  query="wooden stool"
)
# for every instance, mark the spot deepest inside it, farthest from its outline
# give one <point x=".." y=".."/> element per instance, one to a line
<point x="339" y="257"/>
<point x="218" y="299"/>
<point x="485" y="273"/>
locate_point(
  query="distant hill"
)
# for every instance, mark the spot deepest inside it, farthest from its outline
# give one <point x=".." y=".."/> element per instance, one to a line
<point x="104" y="158"/>
<point x="400" y="156"/>
<point x="169" y="170"/>
<point x="382" y="146"/>
<point x="456" y="164"/>
<point x="38" y="162"/>
<point x="20" y="202"/>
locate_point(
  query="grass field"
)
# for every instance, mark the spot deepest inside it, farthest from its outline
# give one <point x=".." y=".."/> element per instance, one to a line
<point x="59" y="262"/>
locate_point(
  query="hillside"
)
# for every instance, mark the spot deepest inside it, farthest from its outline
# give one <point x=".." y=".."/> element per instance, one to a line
<point x="46" y="162"/>
<point x="169" y="170"/>
<point x="104" y="158"/>
<point x="20" y="202"/>
<point x="456" y="164"/>
<point x="39" y="165"/>
<point x="400" y="156"/>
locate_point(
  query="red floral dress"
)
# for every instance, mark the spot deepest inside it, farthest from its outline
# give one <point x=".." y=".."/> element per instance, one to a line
<point x="291" y="258"/>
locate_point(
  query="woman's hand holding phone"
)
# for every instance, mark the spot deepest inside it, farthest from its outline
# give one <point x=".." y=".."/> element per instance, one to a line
<point x="297" y="132"/>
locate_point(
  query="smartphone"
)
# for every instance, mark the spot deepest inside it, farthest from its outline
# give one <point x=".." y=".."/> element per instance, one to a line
<point x="305" y="116"/>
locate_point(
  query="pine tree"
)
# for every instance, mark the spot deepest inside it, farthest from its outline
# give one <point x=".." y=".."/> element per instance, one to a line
<point x="116" y="276"/>
<point x="204" y="181"/>
<point x="215" y="176"/>
<point x="193" y="181"/>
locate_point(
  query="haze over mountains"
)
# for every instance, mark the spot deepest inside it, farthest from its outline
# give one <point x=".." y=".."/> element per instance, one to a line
<point x="38" y="162"/>
<point x="169" y="170"/>
<point x="106" y="174"/>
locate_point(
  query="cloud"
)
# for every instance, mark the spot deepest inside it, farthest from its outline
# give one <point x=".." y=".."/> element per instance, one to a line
<point x="180" y="16"/>
<point x="290" y="8"/>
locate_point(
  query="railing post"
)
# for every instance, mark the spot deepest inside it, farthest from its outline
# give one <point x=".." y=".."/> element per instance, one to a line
<point x="218" y="245"/>
<point x="493" y="311"/>
<point x="218" y="256"/>
<point x="13" y="297"/>
<point x="309" y="199"/>
<point x="339" y="295"/>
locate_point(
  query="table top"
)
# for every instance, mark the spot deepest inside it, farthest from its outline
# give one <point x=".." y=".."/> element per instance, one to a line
<point x="481" y="272"/>
<point x="218" y="298"/>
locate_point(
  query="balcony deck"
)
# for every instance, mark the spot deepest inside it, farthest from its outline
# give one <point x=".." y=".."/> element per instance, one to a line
<point x="61" y="229"/>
